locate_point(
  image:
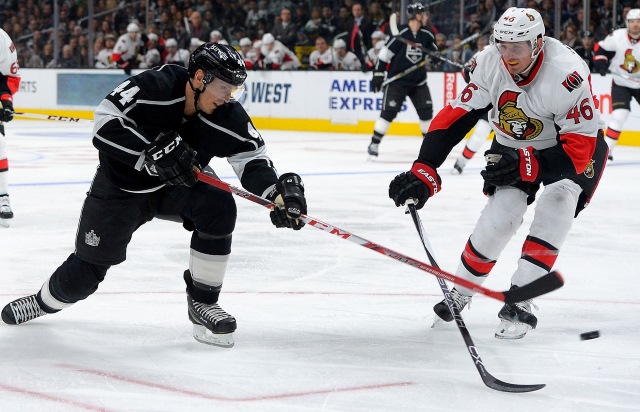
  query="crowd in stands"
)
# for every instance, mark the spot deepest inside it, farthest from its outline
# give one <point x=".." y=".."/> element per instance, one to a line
<point x="274" y="34"/>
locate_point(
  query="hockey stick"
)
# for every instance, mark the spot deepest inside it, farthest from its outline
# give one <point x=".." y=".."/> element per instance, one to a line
<point x="396" y="33"/>
<point x="57" y="118"/>
<point x="404" y="73"/>
<point x="487" y="378"/>
<point x="545" y="284"/>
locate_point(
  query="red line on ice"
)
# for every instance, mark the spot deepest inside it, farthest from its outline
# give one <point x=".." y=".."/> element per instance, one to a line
<point x="43" y="396"/>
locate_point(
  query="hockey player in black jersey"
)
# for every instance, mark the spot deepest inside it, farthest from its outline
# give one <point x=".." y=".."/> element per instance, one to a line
<point x="151" y="132"/>
<point x="395" y="58"/>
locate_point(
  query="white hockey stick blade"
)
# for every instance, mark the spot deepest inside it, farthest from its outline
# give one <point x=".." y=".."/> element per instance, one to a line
<point x="511" y="330"/>
<point x="204" y="335"/>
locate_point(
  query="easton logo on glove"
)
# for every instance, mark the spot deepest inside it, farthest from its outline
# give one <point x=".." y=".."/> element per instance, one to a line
<point x="428" y="175"/>
<point x="528" y="165"/>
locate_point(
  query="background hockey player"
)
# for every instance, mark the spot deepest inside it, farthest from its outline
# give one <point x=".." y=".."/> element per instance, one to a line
<point x="395" y="58"/>
<point x="344" y="59"/>
<point x="151" y="132"/>
<point x="620" y="52"/>
<point x="9" y="84"/>
<point x="547" y="133"/>
<point x="277" y="56"/>
<point x="126" y="53"/>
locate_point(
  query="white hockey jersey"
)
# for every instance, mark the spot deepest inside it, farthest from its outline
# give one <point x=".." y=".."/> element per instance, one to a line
<point x="126" y="48"/>
<point x="104" y="61"/>
<point x="315" y="58"/>
<point x="625" y="65"/>
<point x="280" y="57"/>
<point x="348" y="62"/>
<point x="556" y="98"/>
<point x="180" y="57"/>
<point x="9" y="76"/>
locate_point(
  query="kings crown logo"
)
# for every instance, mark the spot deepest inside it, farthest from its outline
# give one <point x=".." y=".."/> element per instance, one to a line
<point x="91" y="239"/>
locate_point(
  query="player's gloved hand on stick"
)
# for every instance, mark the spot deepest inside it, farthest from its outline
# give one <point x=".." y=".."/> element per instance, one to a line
<point x="420" y="183"/>
<point x="172" y="160"/>
<point x="505" y="168"/>
<point x="600" y="65"/>
<point x="290" y="201"/>
<point x="376" y="81"/>
<point x="7" y="110"/>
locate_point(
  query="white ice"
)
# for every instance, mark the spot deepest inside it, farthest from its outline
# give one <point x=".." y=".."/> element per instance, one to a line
<point x="323" y="324"/>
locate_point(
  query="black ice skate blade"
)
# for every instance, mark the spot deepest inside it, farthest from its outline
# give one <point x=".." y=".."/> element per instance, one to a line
<point x="547" y="283"/>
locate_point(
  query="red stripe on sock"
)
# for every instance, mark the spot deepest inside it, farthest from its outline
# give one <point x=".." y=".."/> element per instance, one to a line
<point x="535" y="251"/>
<point x="478" y="264"/>
<point x="4" y="165"/>
<point x="613" y="134"/>
<point x="468" y="153"/>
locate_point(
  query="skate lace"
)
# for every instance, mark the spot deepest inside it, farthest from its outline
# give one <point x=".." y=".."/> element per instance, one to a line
<point x="461" y="299"/>
<point x="26" y="309"/>
<point x="4" y="203"/>
<point x="526" y="305"/>
<point x="212" y="312"/>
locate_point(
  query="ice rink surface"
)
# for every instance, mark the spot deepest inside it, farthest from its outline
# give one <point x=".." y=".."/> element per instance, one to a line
<point x="323" y="324"/>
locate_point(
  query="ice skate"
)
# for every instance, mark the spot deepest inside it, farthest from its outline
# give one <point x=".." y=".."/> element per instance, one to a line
<point x="458" y="167"/>
<point x="516" y="320"/>
<point x="442" y="311"/>
<point x="6" y="214"/>
<point x="211" y="324"/>
<point x="373" y="150"/>
<point x="23" y="310"/>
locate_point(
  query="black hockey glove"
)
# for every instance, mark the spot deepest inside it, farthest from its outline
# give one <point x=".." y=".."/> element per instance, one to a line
<point x="376" y="81"/>
<point x="290" y="201"/>
<point x="172" y="160"/>
<point x="600" y="64"/>
<point x="420" y="183"/>
<point x="7" y="111"/>
<point x="508" y="167"/>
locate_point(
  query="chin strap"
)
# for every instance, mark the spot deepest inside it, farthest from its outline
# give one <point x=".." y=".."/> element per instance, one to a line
<point x="197" y="94"/>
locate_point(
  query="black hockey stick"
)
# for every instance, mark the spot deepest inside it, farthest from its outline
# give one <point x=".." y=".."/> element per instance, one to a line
<point x="393" y="25"/>
<point x="404" y="73"/>
<point x="487" y="378"/>
<point x="545" y="284"/>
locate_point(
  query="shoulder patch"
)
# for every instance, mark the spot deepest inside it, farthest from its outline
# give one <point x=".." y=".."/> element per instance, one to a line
<point x="573" y="81"/>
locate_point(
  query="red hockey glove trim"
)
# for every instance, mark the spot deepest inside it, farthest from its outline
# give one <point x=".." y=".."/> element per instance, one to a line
<point x="428" y="176"/>
<point x="529" y="167"/>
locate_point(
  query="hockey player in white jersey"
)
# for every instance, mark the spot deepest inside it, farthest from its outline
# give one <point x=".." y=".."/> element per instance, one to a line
<point x="9" y="84"/>
<point x="548" y="133"/>
<point x="176" y="55"/>
<point x="344" y="59"/>
<point x="277" y="55"/>
<point x="322" y="57"/>
<point x="126" y="53"/>
<point x="620" y="52"/>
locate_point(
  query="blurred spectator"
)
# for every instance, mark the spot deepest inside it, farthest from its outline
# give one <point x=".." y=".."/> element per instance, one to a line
<point x="377" y="17"/>
<point x="276" y="6"/>
<point x="254" y="13"/>
<point x="47" y="55"/>
<point x="285" y="30"/>
<point x="459" y="54"/>
<point x="176" y="55"/>
<point x="585" y="49"/>
<point x="68" y="60"/>
<point x="345" y="60"/>
<point x="360" y="30"/>
<point x="435" y="64"/>
<point x="329" y="23"/>
<point x="31" y="60"/>
<point x="198" y="28"/>
<point x="322" y="57"/>
<point x="301" y="16"/>
<point x="104" y="59"/>
<point x="570" y="36"/>
<point x="277" y="55"/>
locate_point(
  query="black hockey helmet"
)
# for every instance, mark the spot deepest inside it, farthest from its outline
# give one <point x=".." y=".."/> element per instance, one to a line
<point x="218" y="60"/>
<point x="414" y="9"/>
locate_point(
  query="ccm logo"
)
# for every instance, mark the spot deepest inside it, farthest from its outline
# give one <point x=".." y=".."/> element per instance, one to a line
<point x="430" y="179"/>
<point x="167" y="149"/>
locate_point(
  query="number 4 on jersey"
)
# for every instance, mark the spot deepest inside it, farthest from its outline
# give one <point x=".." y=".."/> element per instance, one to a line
<point x="126" y="95"/>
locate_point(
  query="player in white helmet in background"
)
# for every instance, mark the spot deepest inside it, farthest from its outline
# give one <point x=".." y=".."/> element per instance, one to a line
<point x="620" y="52"/>
<point x="176" y="55"/>
<point x="277" y="55"/>
<point x="548" y="133"/>
<point x="126" y="53"/>
<point x="9" y="84"/>
<point x="344" y="59"/>
<point x="152" y="56"/>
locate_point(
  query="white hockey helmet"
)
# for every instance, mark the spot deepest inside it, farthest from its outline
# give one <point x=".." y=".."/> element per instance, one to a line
<point x="133" y="28"/>
<point x="245" y="42"/>
<point x="518" y="24"/>
<point x="633" y="14"/>
<point x="268" y="38"/>
<point x="171" y="42"/>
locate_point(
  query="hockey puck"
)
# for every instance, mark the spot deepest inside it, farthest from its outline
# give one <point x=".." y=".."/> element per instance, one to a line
<point x="590" y="335"/>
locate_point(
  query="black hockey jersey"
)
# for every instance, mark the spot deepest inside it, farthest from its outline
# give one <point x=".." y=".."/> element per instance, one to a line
<point x="399" y="56"/>
<point x="137" y="111"/>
